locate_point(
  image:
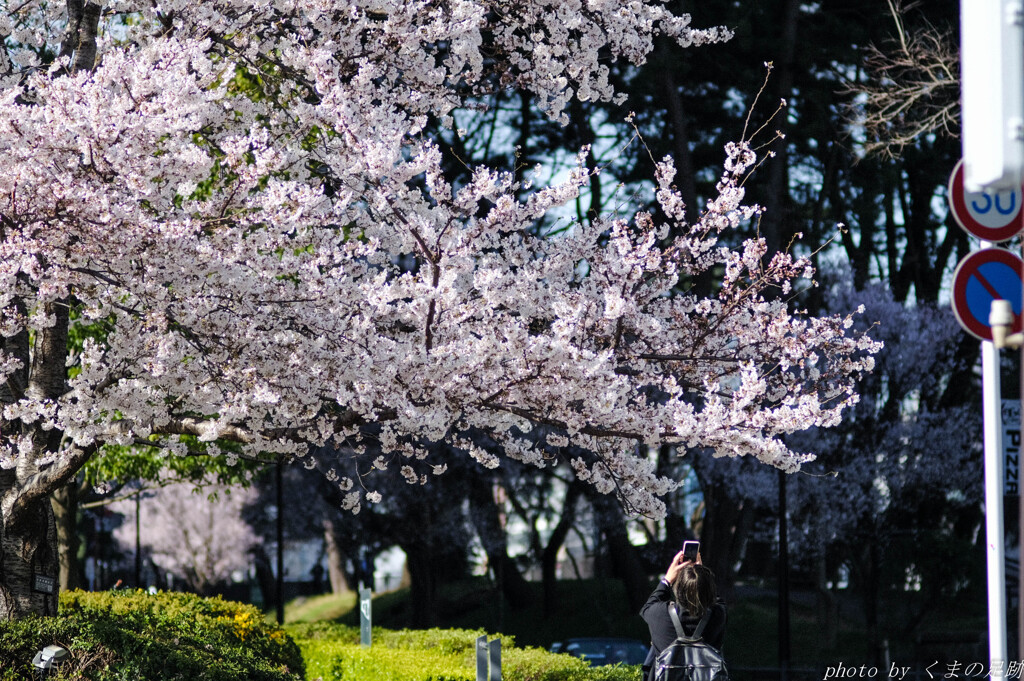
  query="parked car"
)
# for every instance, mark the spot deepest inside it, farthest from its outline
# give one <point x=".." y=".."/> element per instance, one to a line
<point x="600" y="651"/>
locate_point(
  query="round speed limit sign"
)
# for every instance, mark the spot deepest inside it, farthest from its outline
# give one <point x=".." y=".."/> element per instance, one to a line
<point x="990" y="217"/>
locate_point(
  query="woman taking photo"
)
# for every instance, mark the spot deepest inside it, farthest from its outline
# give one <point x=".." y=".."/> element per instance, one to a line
<point x="689" y="588"/>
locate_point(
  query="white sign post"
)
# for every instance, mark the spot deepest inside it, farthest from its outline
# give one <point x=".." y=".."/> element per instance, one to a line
<point x="995" y="216"/>
<point x="365" y="616"/>
<point x="994" y="534"/>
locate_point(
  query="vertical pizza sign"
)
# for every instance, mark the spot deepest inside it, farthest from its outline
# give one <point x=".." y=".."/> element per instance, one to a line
<point x="990" y="273"/>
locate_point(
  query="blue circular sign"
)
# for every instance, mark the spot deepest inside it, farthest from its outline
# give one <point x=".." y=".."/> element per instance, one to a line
<point x="983" y="276"/>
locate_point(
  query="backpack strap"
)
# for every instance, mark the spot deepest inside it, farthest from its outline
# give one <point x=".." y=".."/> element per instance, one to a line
<point x="680" y="632"/>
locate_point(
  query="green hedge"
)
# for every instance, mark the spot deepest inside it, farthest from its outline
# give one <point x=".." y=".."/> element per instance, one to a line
<point x="132" y="635"/>
<point x="121" y="635"/>
<point x="332" y="652"/>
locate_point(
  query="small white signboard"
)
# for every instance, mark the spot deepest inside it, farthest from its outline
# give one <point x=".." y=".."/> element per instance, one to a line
<point x="1011" y="447"/>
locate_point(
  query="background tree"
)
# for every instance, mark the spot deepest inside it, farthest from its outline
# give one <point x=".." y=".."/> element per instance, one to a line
<point x="428" y="519"/>
<point x="198" y="535"/>
<point x="550" y="503"/>
<point x="910" y="87"/>
<point x="894" y="227"/>
<point x="897" y="498"/>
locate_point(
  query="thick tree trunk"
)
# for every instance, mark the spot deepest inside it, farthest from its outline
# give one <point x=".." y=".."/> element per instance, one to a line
<point x="827" y="607"/>
<point x="686" y="176"/>
<point x="335" y="560"/>
<point x="433" y="558"/>
<point x="80" y="34"/>
<point x="28" y="560"/>
<point x="264" y="576"/>
<point x="581" y="123"/>
<point x="487" y="521"/>
<point x="776" y="226"/>
<point x="872" y="589"/>
<point x="625" y="563"/>
<point x="423" y="586"/>
<point x="65" y="512"/>
<point x="29" y="565"/>
<point x="549" y="558"/>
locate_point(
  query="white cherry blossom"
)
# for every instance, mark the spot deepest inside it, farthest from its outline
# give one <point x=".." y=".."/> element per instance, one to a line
<point x="240" y="209"/>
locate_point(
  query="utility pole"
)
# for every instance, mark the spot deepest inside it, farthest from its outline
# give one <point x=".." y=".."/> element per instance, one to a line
<point x="280" y="542"/>
<point x="783" y="581"/>
<point x="992" y="138"/>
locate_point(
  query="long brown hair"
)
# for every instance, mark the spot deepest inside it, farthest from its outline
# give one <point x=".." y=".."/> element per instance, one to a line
<point x="694" y="589"/>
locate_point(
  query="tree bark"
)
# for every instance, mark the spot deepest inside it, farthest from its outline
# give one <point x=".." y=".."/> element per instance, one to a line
<point x="28" y="531"/>
<point x="28" y="550"/>
<point x="686" y="176"/>
<point x="549" y="557"/>
<point x="581" y="121"/>
<point x="65" y="512"/>
<point x="264" y="575"/>
<point x="776" y="226"/>
<point x="423" y="586"/>
<point x="85" y="57"/>
<point x="827" y="606"/>
<point x="80" y="34"/>
<point x="29" y="562"/>
<point x="624" y="561"/>
<point x="487" y="521"/>
<point x="872" y="589"/>
<point x="335" y="560"/>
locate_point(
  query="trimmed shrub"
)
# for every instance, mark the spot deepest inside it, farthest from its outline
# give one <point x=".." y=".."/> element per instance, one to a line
<point x="332" y="652"/>
<point x="119" y="635"/>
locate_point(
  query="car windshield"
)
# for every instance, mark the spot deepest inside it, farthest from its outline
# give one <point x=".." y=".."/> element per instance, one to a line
<point x="600" y="651"/>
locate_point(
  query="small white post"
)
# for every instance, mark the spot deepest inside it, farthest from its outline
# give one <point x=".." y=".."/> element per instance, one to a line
<point x="365" y="616"/>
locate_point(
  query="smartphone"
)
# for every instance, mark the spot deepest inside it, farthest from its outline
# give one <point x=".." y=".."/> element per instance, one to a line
<point x="690" y="550"/>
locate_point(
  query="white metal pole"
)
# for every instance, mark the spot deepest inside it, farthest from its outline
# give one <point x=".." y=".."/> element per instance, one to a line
<point x="994" y="538"/>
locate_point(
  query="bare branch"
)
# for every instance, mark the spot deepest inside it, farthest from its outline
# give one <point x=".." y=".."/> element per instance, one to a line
<point x="911" y="88"/>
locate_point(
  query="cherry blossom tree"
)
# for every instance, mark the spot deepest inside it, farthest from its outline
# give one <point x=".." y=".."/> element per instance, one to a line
<point x="197" y="534"/>
<point x="240" y="210"/>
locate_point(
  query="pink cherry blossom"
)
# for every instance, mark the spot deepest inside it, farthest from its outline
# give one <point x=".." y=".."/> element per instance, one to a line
<point x="221" y="201"/>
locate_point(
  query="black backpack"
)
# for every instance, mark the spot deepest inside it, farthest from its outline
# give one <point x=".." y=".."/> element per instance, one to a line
<point x="689" y="658"/>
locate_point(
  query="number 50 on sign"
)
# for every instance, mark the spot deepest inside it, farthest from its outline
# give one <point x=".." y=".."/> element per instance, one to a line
<point x="990" y="217"/>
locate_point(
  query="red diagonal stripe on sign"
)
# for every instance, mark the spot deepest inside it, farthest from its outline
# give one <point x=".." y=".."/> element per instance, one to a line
<point x="993" y="292"/>
<point x="988" y="287"/>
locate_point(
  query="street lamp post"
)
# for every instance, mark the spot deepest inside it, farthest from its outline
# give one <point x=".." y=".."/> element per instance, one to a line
<point x="783" y="581"/>
<point x="280" y="543"/>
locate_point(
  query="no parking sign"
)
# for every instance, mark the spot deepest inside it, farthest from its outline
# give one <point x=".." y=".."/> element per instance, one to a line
<point x="983" y="276"/>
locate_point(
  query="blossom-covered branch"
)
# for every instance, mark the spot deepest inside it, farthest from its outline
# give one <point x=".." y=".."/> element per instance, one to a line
<point x="243" y="215"/>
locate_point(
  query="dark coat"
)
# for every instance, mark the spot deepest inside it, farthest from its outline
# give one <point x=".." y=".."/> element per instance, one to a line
<point x="655" y="613"/>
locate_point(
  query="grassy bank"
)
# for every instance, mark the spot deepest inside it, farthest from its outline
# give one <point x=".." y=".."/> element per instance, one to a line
<point x="599" y="608"/>
<point x="596" y="608"/>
